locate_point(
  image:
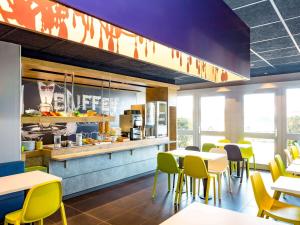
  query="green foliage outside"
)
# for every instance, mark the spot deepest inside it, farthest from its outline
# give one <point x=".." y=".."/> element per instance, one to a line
<point x="182" y="140"/>
<point x="293" y="124"/>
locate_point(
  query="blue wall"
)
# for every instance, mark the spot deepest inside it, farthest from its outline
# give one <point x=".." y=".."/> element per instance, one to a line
<point x="208" y="29"/>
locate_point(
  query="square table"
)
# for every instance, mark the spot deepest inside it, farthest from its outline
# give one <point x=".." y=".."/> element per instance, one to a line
<point x="294" y="169"/>
<point x="296" y="162"/>
<point x="287" y="185"/>
<point x="200" y="214"/>
<point x="206" y="156"/>
<point x="24" y="181"/>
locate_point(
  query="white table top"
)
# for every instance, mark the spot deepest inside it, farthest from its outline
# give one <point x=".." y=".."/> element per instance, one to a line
<point x="296" y="162"/>
<point x="203" y="155"/>
<point x="24" y="181"/>
<point x="239" y="145"/>
<point x="200" y="214"/>
<point x="287" y="185"/>
<point x="294" y="169"/>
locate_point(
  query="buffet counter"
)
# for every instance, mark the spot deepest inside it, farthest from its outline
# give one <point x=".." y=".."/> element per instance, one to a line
<point x="93" y="167"/>
<point x="64" y="154"/>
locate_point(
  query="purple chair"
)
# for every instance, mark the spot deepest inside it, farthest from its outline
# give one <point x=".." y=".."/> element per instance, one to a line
<point x="234" y="155"/>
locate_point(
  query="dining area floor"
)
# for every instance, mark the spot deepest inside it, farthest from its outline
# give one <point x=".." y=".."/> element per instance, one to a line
<point x="131" y="203"/>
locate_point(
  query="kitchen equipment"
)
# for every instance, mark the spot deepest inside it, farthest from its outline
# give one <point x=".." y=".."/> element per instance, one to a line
<point x="130" y="121"/>
<point x="156" y="119"/>
<point x="57" y="141"/>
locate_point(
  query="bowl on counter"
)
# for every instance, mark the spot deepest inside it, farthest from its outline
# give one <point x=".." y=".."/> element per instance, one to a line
<point x="28" y="145"/>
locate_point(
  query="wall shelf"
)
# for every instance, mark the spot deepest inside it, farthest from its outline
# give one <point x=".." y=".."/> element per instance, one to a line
<point x="62" y="119"/>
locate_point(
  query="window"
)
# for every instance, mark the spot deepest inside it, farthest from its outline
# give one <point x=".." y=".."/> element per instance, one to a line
<point x="263" y="149"/>
<point x="184" y="140"/>
<point x="259" y="113"/>
<point x="293" y="110"/>
<point x="212" y="113"/>
<point x="185" y="112"/>
<point x="210" y="139"/>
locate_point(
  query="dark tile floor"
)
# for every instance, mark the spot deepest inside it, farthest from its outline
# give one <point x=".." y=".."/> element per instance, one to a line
<point x="130" y="203"/>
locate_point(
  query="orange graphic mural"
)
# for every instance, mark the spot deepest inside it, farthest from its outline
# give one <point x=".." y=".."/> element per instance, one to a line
<point x="51" y="18"/>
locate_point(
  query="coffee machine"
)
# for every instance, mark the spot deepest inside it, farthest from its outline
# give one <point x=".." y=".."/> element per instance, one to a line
<point x="131" y="124"/>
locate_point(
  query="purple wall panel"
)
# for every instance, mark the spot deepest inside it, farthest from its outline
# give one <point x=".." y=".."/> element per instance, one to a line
<point x="207" y="29"/>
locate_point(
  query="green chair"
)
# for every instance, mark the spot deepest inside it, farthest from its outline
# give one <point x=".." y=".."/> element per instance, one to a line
<point x="195" y="167"/>
<point x="166" y="163"/>
<point x="224" y="141"/>
<point x="247" y="153"/>
<point x="206" y="147"/>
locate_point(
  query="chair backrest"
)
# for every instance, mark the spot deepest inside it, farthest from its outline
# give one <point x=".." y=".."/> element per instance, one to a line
<point x="275" y="172"/>
<point x="194" y="166"/>
<point x="206" y="147"/>
<point x="280" y="165"/>
<point x="233" y="153"/>
<point x="294" y="151"/>
<point x="262" y="197"/>
<point x="224" y="141"/>
<point x="167" y="163"/>
<point x="246" y="152"/>
<point x="42" y="201"/>
<point x="218" y="164"/>
<point x="192" y="148"/>
<point x="289" y="158"/>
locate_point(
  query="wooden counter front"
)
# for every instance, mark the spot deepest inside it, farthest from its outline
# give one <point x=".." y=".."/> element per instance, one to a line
<point x="64" y="154"/>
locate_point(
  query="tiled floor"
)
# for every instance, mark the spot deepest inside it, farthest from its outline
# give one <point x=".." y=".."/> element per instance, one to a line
<point x="130" y="203"/>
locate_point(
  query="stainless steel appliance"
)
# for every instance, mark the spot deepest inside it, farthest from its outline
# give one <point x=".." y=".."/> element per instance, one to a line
<point x="131" y="125"/>
<point x="156" y="119"/>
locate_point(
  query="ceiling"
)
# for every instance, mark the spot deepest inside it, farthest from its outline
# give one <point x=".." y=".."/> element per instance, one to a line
<point x="48" y="48"/>
<point x="275" y="34"/>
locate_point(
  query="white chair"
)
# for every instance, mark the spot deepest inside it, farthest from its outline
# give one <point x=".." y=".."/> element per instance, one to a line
<point x="219" y="167"/>
<point x="289" y="158"/>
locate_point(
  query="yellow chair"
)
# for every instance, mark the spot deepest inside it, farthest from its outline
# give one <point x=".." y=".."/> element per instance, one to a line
<point x="289" y="157"/>
<point x="166" y="163"/>
<point x="274" y="169"/>
<point x="294" y="151"/>
<point x="270" y="207"/>
<point x="247" y="153"/>
<point x="281" y="167"/>
<point x="41" y="201"/>
<point x="195" y="167"/>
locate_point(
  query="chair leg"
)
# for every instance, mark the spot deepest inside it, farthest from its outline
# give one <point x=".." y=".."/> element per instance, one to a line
<point x="260" y="213"/>
<point x="186" y="186"/>
<point x="174" y="175"/>
<point x="41" y="222"/>
<point x="207" y="190"/>
<point x="154" y="184"/>
<point x="5" y="222"/>
<point x="214" y="183"/>
<point x="63" y="214"/>
<point x="199" y="184"/>
<point x="169" y="182"/>
<point x="276" y="195"/>
<point x="243" y="166"/>
<point x="229" y="183"/>
<point x="191" y="185"/>
<point x="180" y="189"/>
<point x="194" y="188"/>
<point x="248" y="167"/>
<point x="219" y="185"/>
